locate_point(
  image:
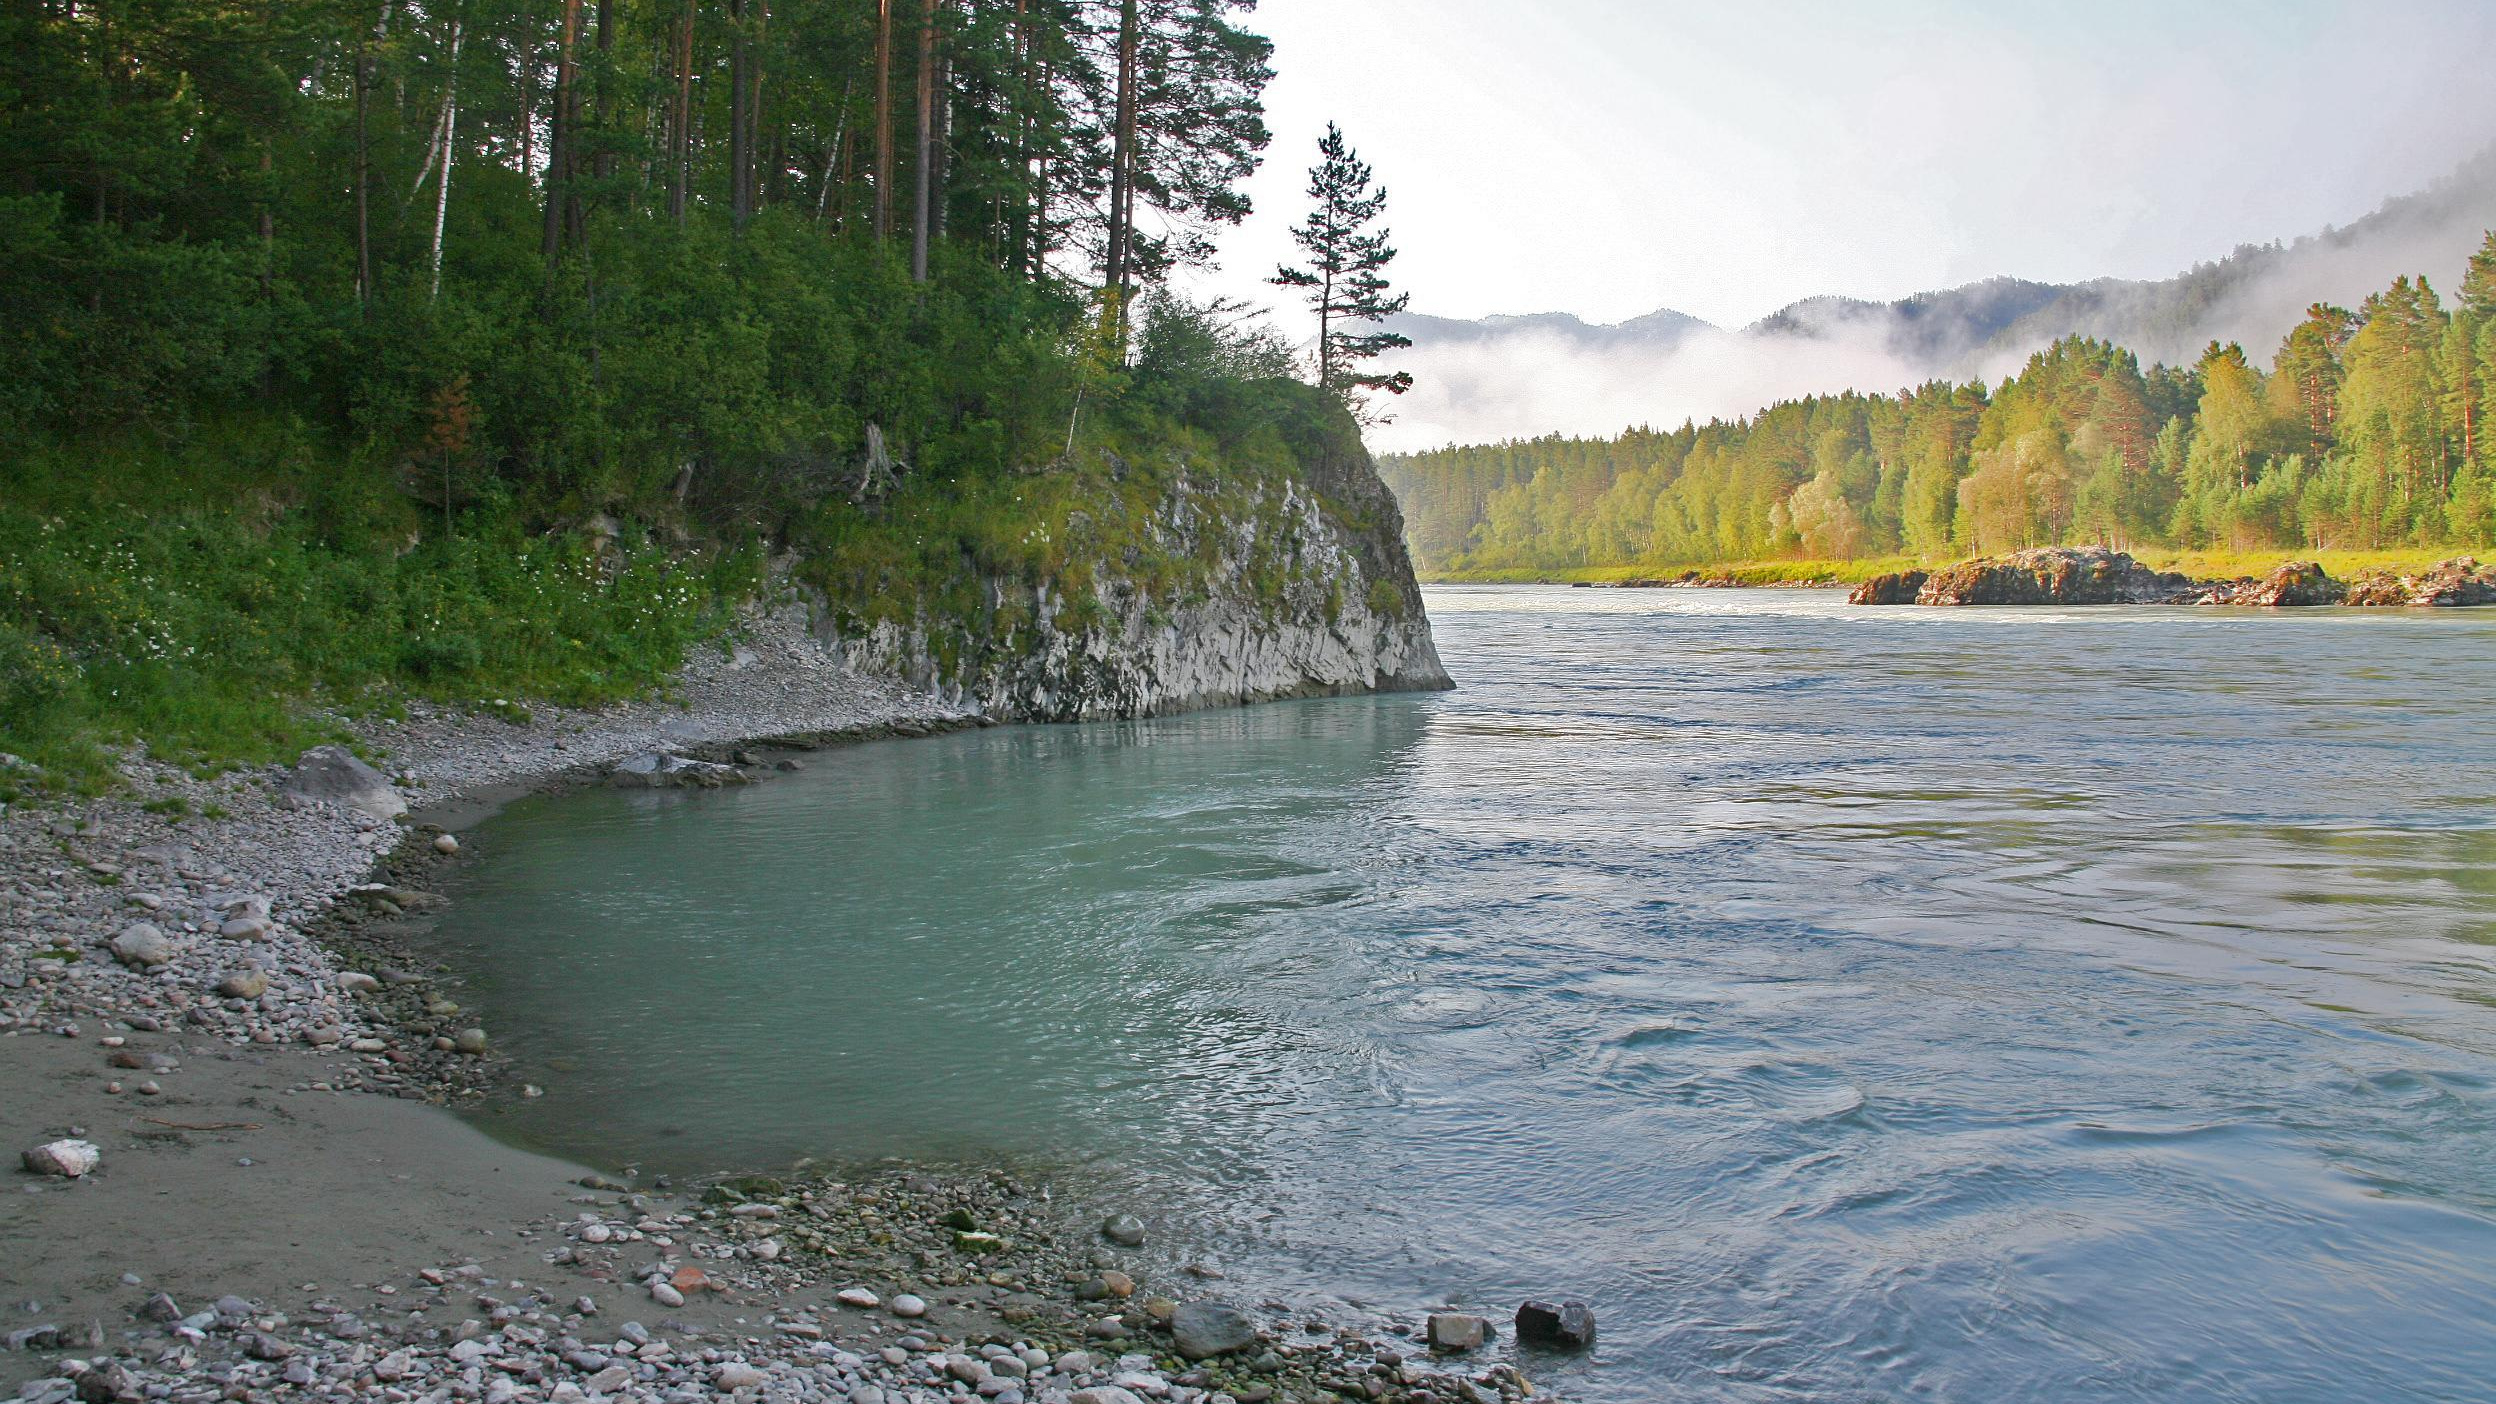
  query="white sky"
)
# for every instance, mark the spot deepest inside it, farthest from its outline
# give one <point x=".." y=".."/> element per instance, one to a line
<point x="1610" y="157"/>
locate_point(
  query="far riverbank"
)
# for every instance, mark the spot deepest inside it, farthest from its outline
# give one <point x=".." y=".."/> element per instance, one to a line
<point x="2201" y="565"/>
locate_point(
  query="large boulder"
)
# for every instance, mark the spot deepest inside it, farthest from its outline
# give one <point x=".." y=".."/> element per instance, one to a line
<point x="1570" y="1325"/>
<point x="1203" y="1330"/>
<point x="2054" y="575"/>
<point x="1898" y="588"/>
<point x="142" y="946"/>
<point x="333" y="775"/>
<point x="657" y="770"/>
<point x="2293" y="584"/>
<point x="66" y="1159"/>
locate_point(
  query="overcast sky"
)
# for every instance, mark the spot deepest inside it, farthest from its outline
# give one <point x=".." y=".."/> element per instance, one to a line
<point x="1610" y="157"/>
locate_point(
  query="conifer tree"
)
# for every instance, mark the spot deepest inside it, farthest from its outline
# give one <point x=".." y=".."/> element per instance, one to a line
<point x="1345" y="276"/>
<point x="2478" y="282"/>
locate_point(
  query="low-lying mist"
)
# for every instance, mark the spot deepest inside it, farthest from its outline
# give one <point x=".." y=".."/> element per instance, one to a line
<point x="1521" y="377"/>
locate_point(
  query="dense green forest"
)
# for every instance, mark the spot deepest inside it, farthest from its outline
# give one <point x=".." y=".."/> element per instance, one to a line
<point x="358" y="348"/>
<point x="2366" y="432"/>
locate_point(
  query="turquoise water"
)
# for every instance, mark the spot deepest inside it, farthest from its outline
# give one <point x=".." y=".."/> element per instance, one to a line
<point x="1851" y="1004"/>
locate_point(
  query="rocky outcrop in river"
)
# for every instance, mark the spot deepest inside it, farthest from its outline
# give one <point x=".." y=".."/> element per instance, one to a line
<point x="1297" y="587"/>
<point x="2066" y="575"/>
<point x="1896" y="588"/>
<point x="2459" y="581"/>
<point x="2063" y="575"/>
<point x="2295" y="583"/>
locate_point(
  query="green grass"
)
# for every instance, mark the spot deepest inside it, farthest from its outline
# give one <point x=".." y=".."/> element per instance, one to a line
<point x="227" y="603"/>
<point x="236" y="598"/>
<point x="928" y="556"/>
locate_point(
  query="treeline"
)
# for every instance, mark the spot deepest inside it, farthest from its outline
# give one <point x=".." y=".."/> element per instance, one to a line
<point x="481" y="349"/>
<point x="2367" y="431"/>
<point x="603" y="251"/>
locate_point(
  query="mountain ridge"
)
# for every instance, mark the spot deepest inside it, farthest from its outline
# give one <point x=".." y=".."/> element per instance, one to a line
<point x="2251" y="295"/>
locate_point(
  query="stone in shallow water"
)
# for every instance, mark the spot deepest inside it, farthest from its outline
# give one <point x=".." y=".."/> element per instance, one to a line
<point x="1570" y="1324"/>
<point x="1206" y="1329"/>
<point x="1106" y="1284"/>
<point x="1456" y="1330"/>
<point x="1125" y="1230"/>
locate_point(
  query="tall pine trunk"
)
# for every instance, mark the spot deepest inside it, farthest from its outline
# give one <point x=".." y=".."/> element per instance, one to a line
<point x="884" y="121"/>
<point x="363" y="182"/>
<point x="680" y="132"/>
<point x="740" y="147"/>
<point x="942" y="159"/>
<point x="559" y="136"/>
<point x="757" y="191"/>
<point x="1122" y="156"/>
<point x="604" y="169"/>
<point x="923" y="176"/>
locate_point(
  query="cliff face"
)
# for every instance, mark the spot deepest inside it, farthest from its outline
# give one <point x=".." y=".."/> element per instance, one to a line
<point x="1294" y="585"/>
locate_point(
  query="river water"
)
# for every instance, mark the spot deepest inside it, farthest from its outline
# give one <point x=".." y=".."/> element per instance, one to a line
<point x="1851" y="1004"/>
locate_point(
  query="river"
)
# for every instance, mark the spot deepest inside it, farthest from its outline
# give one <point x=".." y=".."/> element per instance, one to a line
<point x="1851" y="1004"/>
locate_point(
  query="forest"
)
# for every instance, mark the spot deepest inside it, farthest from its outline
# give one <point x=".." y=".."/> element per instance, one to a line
<point x="360" y="348"/>
<point x="2365" y="433"/>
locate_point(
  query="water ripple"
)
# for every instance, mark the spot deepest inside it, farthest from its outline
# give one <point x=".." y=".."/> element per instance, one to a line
<point x="1856" y="1005"/>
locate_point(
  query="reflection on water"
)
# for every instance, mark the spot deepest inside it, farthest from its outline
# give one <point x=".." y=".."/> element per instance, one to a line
<point x="1854" y="1004"/>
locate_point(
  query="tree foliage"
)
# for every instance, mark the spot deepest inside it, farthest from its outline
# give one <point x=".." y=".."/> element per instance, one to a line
<point x="2368" y="431"/>
<point x="656" y="234"/>
<point x="1345" y="277"/>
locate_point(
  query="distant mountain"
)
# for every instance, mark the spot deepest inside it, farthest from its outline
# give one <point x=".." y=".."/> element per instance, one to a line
<point x="1520" y="376"/>
<point x="1663" y="328"/>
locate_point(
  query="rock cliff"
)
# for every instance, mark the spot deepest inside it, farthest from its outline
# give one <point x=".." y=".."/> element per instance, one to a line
<point x="1294" y="584"/>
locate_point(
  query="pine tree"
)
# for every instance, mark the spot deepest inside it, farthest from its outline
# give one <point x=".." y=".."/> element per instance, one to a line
<point x="2478" y="282"/>
<point x="1345" y="273"/>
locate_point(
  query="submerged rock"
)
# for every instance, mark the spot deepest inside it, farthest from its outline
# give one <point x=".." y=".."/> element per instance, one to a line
<point x="658" y="770"/>
<point x="2054" y="575"/>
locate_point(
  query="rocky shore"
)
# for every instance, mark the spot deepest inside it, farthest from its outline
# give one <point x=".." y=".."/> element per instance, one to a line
<point x="2064" y="575"/>
<point x="241" y="1183"/>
